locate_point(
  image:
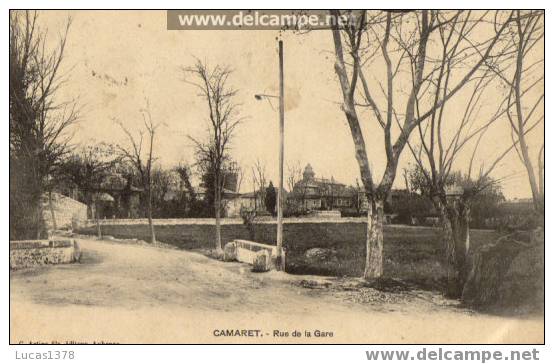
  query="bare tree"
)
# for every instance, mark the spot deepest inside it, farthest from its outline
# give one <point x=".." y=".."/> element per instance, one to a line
<point x="213" y="153"/>
<point x="142" y="160"/>
<point x="402" y="43"/>
<point x="524" y="79"/>
<point x="259" y="182"/>
<point x="39" y="121"/>
<point x="441" y="144"/>
<point x="297" y="190"/>
<point x="448" y="135"/>
<point x="294" y="175"/>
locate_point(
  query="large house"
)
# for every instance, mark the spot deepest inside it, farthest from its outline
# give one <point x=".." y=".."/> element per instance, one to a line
<point x="312" y="193"/>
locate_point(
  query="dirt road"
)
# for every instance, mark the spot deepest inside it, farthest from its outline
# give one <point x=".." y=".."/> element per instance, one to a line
<point x="128" y="293"/>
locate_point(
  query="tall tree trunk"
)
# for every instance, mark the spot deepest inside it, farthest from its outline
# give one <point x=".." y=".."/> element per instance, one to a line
<point x="52" y="212"/>
<point x="454" y="220"/>
<point x="39" y="221"/>
<point x="97" y="215"/>
<point x="452" y="286"/>
<point x="463" y="239"/>
<point x="150" y="223"/>
<point x="537" y="200"/>
<point x="541" y="180"/>
<point x="520" y="129"/>
<point x="374" y="242"/>
<point x="217" y="206"/>
<point x="40" y="226"/>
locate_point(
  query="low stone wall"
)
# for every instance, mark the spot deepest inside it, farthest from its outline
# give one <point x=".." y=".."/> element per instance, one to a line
<point x="32" y="253"/>
<point x="201" y="233"/>
<point x="324" y="214"/>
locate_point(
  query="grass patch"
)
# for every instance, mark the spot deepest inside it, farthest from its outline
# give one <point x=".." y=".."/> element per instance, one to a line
<point x="411" y="254"/>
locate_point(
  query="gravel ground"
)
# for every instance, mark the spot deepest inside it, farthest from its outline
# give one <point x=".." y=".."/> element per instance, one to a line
<point x="130" y="292"/>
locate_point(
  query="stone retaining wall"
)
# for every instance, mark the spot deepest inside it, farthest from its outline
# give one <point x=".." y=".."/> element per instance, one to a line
<point x="32" y="253"/>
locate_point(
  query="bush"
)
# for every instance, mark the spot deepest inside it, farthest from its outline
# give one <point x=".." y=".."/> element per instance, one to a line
<point x="525" y="222"/>
<point x="293" y="209"/>
<point x="408" y="205"/>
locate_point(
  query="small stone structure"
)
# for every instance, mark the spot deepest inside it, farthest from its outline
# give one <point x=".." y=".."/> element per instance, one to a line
<point x="262" y="261"/>
<point x="32" y="253"/>
<point x="230" y="252"/>
<point x="263" y="257"/>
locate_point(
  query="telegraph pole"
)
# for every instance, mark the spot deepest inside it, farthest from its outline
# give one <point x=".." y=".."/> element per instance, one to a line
<point x="280" y="194"/>
<point x="280" y="261"/>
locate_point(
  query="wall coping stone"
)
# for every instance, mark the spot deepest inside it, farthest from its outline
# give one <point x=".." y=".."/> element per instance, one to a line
<point x="37" y="244"/>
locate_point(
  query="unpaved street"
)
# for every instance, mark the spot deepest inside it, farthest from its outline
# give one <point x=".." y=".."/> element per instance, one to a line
<point x="140" y="294"/>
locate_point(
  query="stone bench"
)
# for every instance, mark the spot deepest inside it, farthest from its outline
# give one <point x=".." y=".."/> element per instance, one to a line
<point x="262" y="257"/>
<point x="31" y="253"/>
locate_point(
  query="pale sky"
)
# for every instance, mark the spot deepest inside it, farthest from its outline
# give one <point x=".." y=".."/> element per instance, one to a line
<point x="117" y="59"/>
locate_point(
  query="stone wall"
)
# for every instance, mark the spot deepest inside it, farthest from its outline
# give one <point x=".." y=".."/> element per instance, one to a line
<point x="32" y="253"/>
<point x="299" y="235"/>
<point x="67" y="210"/>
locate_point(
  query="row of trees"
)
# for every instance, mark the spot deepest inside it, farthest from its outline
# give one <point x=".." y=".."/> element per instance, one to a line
<point x="447" y="58"/>
<point x="417" y="202"/>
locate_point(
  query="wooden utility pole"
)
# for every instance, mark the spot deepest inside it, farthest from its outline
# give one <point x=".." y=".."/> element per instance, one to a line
<point x="280" y="197"/>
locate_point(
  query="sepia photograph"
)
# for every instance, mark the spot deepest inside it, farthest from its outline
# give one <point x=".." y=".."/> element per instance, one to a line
<point x="277" y="177"/>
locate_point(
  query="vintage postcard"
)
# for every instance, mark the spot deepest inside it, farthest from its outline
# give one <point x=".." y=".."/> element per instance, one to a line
<point x="276" y="177"/>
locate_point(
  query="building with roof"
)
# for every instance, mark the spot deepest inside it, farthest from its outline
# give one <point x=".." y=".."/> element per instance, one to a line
<point x="313" y="193"/>
<point x="254" y="201"/>
<point x="116" y="197"/>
